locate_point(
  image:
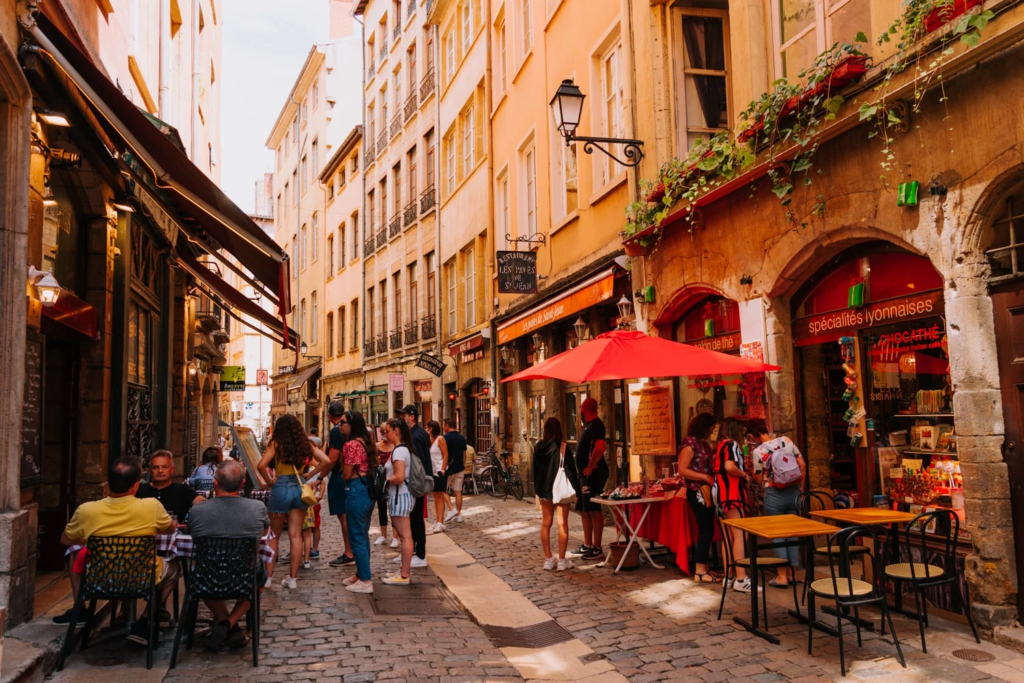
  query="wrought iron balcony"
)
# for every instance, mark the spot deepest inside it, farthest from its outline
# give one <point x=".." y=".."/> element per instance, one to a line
<point x="396" y="34"/>
<point x="410" y="213"/>
<point x="429" y="327"/>
<point x="428" y="199"/>
<point x="382" y="343"/>
<point x="382" y="142"/>
<point x="396" y="125"/>
<point x="370" y="347"/>
<point x="382" y="236"/>
<point x="410" y="106"/>
<point x="369" y="150"/>
<point x="430" y="3"/>
<point x="396" y="339"/>
<point x="427" y="84"/>
<point x="371" y="68"/>
<point x="412" y="333"/>
<point x="383" y="54"/>
<point x="410" y="9"/>
<point x="369" y="246"/>
<point x="395" y="227"/>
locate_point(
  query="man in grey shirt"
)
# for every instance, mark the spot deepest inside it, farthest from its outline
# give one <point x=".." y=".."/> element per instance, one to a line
<point x="228" y="516"/>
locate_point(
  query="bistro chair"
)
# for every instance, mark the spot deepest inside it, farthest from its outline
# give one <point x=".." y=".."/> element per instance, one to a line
<point x="222" y="569"/>
<point x="763" y="563"/>
<point x="116" y="568"/>
<point x="923" y="574"/>
<point x="848" y="592"/>
<point x="819" y="500"/>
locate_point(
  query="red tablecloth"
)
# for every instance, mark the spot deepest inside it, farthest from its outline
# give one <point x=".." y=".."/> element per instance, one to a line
<point x="673" y="525"/>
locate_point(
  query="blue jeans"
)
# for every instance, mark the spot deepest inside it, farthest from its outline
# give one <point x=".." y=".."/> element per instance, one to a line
<point x="358" y="508"/>
<point x="783" y="502"/>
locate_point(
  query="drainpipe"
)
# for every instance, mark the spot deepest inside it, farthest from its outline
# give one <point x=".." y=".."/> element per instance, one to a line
<point x="497" y="389"/>
<point x="164" y="95"/>
<point x="437" y="211"/>
<point x="361" y="244"/>
<point x="194" y="113"/>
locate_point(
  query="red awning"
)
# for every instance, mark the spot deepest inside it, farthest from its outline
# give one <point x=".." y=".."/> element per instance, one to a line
<point x="172" y="170"/>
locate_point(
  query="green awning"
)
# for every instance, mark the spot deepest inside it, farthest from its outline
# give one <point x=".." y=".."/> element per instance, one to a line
<point x="379" y="392"/>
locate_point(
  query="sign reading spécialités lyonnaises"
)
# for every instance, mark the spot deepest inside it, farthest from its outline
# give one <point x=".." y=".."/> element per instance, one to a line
<point x="808" y="330"/>
<point x="517" y="272"/>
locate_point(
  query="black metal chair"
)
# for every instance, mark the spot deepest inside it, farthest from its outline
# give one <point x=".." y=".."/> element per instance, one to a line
<point x="222" y="569"/>
<point x="923" y="574"/>
<point x="116" y="568"/>
<point x="825" y="501"/>
<point x="731" y="563"/>
<point x="848" y="592"/>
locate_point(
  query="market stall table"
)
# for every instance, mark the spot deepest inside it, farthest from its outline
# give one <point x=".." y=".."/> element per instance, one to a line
<point x="673" y="525"/>
<point x="777" y="528"/>
<point x="617" y="507"/>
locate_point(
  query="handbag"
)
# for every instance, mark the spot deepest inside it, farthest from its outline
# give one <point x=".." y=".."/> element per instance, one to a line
<point x="562" y="491"/>
<point x="308" y="494"/>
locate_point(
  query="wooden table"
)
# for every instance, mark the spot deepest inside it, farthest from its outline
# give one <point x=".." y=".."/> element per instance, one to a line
<point x="617" y="507"/>
<point x="780" y="529"/>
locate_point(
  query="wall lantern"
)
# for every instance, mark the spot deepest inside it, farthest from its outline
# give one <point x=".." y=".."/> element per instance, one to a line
<point x="193" y="368"/>
<point x="506" y="353"/>
<point x="581" y="330"/>
<point x="567" y="108"/>
<point x="451" y="397"/>
<point x="46" y="284"/>
<point x="123" y="206"/>
<point x="625" y="307"/>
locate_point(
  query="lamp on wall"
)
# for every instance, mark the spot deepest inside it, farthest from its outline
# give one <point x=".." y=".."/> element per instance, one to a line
<point x="47" y="287"/>
<point x="193" y="368"/>
<point x="506" y="353"/>
<point x="581" y="329"/>
<point x="567" y="107"/>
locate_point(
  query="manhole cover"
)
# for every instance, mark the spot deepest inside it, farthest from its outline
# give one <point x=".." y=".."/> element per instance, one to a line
<point x="974" y="655"/>
<point x="538" y="635"/>
<point x="104" y="661"/>
<point x="414" y="600"/>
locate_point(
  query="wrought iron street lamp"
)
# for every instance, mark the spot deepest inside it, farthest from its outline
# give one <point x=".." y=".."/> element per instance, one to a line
<point x="303" y="348"/>
<point x="567" y="107"/>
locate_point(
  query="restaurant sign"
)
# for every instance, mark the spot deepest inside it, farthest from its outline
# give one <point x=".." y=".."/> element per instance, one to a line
<point x="828" y="326"/>
<point x="232" y="378"/>
<point x="589" y="293"/>
<point x="517" y="272"/>
<point x="431" y="364"/>
<point x="469" y="349"/>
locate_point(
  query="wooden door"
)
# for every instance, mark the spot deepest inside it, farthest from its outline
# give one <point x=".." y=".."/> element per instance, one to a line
<point x="1008" y="304"/>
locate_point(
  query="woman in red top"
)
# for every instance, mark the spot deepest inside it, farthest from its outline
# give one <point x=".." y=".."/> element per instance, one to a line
<point x="731" y="486"/>
<point x="359" y="456"/>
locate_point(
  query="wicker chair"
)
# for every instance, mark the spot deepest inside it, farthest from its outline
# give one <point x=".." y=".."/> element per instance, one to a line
<point x="116" y="568"/>
<point x="222" y="569"/>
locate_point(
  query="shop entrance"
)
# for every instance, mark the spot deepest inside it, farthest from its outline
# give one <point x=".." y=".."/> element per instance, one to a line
<point x="478" y="406"/>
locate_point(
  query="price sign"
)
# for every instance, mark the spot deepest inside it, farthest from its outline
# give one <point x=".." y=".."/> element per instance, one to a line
<point x="517" y="272"/>
<point x="262" y="377"/>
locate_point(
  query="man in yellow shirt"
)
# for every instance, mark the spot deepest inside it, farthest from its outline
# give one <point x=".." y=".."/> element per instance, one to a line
<point x="122" y="514"/>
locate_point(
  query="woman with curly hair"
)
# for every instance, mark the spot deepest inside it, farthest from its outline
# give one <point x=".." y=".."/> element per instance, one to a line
<point x="291" y="451"/>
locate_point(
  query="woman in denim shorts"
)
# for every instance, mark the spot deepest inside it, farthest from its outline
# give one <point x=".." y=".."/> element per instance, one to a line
<point x="290" y="450"/>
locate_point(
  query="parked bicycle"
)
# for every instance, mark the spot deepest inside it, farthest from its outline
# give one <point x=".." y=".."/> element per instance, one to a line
<point x="499" y="479"/>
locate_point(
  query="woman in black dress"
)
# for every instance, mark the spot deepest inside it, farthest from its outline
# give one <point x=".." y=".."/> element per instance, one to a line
<point x="550" y="456"/>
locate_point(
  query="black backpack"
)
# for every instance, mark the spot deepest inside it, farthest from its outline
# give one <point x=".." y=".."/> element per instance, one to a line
<point x="376" y="482"/>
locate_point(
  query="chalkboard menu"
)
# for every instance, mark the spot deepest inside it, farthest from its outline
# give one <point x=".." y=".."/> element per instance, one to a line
<point x="32" y="414"/>
<point x="517" y="272"/>
<point x="651" y="410"/>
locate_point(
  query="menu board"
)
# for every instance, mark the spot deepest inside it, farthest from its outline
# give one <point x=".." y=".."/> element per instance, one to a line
<point x="249" y="452"/>
<point x="32" y="414"/>
<point x="651" y="409"/>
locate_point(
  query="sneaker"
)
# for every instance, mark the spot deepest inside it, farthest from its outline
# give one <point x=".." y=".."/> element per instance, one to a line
<point x="361" y="587"/>
<point x="579" y="553"/>
<point x="218" y="637"/>
<point x="395" y="543"/>
<point x="307" y="565"/>
<point x="140" y="632"/>
<point x="437" y="528"/>
<point x="418" y="563"/>
<point x="593" y="554"/>
<point x="397" y="560"/>
<point x="458" y="518"/>
<point x="269" y="582"/>
<point x="549" y="564"/>
<point x="65" y="619"/>
<point x="381" y="540"/>
<point x="341" y="561"/>
<point x="450" y="515"/>
<point x="396" y="580"/>
<point x="289" y="582"/>
<point x="236" y="639"/>
<point x="741" y="586"/>
<point x="564" y="564"/>
<point x="350" y="580"/>
<point x="314" y="554"/>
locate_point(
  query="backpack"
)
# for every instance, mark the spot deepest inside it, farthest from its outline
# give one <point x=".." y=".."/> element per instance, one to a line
<point x="416" y="478"/>
<point x="783" y="469"/>
<point x="376" y="482"/>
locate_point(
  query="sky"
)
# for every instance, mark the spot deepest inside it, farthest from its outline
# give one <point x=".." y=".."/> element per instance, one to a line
<point x="264" y="44"/>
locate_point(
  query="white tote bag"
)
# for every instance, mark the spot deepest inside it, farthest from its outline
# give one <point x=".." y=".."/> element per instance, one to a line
<point x="562" y="492"/>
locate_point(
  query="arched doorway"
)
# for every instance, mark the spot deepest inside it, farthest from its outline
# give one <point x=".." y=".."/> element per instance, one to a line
<point x="478" y="414"/>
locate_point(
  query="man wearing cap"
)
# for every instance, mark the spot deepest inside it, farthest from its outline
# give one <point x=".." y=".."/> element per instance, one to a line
<point x="336" y="484"/>
<point x="594" y="472"/>
<point x="421" y="444"/>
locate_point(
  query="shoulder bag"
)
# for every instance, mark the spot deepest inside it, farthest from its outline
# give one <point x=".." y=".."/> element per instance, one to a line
<point x="308" y="494"/>
<point x="562" y="491"/>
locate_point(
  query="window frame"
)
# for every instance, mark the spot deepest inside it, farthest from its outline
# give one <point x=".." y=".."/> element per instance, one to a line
<point x="469" y="276"/>
<point x="453" y="308"/>
<point x="679" y="73"/>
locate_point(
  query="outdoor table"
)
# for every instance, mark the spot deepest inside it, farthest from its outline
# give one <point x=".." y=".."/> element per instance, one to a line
<point x="617" y="507"/>
<point x="776" y="528"/>
<point x="673" y="525"/>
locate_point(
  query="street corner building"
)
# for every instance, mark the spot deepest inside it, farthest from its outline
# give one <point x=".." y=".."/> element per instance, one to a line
<point x="122" y="261"/>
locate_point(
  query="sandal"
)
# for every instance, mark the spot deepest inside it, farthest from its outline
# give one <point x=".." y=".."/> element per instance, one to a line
<point x="774" y="583"/>
<point x="702" y="578"/>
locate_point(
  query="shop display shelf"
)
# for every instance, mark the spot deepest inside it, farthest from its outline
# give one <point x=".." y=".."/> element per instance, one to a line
<point x="922" y="415"/>
<point x="918" y="451"/>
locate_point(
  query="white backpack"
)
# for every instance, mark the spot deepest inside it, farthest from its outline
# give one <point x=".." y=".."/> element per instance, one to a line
<point x="783" y="466"/>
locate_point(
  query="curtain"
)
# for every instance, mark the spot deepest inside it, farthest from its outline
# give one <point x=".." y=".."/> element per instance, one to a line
<point x="705" y="49"/>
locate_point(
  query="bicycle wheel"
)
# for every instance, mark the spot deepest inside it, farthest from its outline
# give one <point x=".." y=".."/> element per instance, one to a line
<point x="497" y="483"/>
<point x="516" y="483"/>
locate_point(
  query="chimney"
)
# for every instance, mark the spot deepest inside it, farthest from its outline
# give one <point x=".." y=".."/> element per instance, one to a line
<point x="341" y="19"/>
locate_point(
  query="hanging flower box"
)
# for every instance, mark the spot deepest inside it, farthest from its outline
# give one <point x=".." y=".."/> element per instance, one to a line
<point x="657" y="193"/>
<point x="942" y="15"/>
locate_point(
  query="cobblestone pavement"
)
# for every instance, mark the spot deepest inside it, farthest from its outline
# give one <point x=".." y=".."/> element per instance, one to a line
<point x="658" y="625"/>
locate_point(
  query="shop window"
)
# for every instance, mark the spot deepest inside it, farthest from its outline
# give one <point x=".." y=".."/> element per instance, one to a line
<point x="538" y="413"/>
<point x="702" y="75"/>
<point x="1005" y="248"/>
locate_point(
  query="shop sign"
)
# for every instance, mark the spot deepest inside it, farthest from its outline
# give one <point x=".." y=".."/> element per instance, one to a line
<point x="72" y="312"/>
<point x="431" y="364"/>
<point x="285" y="369"/>
<point x="517" y="272"/>
<point x="262" y="378"/>
<point x="827" y="326"/>
<point x="232" y="378"/>
<point x="592" y="292"/>
<point x="469" y="357"/>
<point x="423" y="385"/>
<point x="396" y="382"/>
<point x="723" y="342"/>
<point x="467" y="345"/>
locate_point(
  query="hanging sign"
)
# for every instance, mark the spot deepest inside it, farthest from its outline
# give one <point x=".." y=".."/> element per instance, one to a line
<point x="431" y="364"/>
<point x="232" y="378"/>
<point x="828" y="326"/>
<point x="517" y="272"/>
<point x="262" y="377"/>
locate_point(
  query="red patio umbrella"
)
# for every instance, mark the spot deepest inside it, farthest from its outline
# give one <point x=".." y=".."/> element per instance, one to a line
<point x="627" y="354"/>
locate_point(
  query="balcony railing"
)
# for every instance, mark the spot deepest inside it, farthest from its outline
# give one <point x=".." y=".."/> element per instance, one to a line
<point x="410" y="213"/>
<point x="396" y="34"/>
<point x="396" y="125"/>
<point x="369" y="150"/>
<point x="371" y="68"/>
<point x="395" y="227"/>
<point x="430" y="3"/>
<point x="427" y="84"/>
<point x="382" y="343"/>
<point x="370" y="347"/>
<point x="410" y="9"/>
<point x="429" y="325"/>
<point x="383" y="54"/>
<point x="396" y="339"/>
<point x="428" y="199"/>
<point x="369" y="246"/>
<point x="410" y="106"/>
<point x="382" y="236"/>
<point x="382" y="142"/>
<point x="412" y="333"/>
